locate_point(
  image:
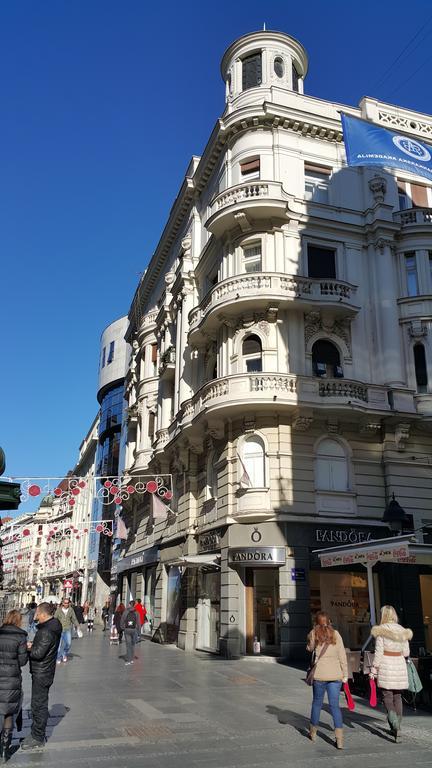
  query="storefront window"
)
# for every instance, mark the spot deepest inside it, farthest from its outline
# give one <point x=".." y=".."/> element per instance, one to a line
<point x="344" y="596"/>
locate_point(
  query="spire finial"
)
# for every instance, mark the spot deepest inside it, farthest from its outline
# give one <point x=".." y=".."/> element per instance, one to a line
<point x="264" y="27"/>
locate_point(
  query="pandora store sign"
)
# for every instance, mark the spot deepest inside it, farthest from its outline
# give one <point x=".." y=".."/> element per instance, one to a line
<point x="253" y="556"/>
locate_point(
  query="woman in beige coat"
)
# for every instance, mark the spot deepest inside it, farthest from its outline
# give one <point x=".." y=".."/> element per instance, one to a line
<point x="389" y="667"/>
<point x="330" y="672"/>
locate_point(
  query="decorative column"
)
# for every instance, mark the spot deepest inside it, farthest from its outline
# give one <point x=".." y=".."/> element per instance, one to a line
<point x="389" y="343"/>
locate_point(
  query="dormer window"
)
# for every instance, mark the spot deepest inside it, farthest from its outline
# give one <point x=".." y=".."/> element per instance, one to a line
<point x="252" y="71"/>
<point x="279" y="67"/>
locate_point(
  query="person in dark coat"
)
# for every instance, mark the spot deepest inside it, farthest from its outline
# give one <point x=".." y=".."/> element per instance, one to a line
<point x="13" y="656"/>
<point x="43" y="657"/>
<point x="118" y="613"/>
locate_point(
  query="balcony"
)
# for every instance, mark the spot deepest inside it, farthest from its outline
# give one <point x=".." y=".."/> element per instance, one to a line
<point x="414" y="217"/>
<point x="246" y="392"/>
<point x="239" y="206"/>
<point x="256" y="290"/>
<point x="167" y="364"/>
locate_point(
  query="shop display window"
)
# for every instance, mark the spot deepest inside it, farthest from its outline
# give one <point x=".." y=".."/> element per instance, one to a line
<point x="344" y="596"/>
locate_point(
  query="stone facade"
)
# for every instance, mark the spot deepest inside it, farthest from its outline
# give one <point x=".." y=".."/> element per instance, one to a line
<point x="276" y="373"/>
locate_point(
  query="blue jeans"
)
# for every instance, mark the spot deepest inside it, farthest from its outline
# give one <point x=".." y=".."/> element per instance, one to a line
<point x="333" y="689"/>
<point x="65" y="644"/>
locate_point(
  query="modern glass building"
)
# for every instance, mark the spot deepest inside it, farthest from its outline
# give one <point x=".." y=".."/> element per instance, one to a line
<point x="114" y="355"/>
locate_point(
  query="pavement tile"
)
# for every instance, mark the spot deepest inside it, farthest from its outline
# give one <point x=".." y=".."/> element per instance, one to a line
<point x="177" y="710"/>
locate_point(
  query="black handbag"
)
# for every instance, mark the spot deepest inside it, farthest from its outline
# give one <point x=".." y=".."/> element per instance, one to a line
<point x="310" y="674"/>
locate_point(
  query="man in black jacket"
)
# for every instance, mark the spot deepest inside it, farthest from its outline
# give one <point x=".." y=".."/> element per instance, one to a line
<point x="43" y="657"/>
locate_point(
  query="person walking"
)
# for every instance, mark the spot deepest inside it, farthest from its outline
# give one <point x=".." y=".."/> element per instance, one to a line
<point x="105" y="614"/>
<point x="66" y="616"/>
<point x="91" y="615"/>
<point x="129" y="623"/>
<point x="141" y="611"/>
<point x="331" y="671"/>
<point x="43" y="655"/>
<point x="389" y="665"/>
<point x="118" y="613"/>
<point x="13" y="656"/>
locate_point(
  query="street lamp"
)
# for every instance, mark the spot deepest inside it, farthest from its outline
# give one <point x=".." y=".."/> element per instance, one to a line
<point x="395" y="516"/>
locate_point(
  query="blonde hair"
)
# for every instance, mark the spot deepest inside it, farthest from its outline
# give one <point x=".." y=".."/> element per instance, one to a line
<point x="389" y="615"/>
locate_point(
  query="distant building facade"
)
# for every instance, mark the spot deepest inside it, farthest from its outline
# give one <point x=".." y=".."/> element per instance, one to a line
<point x="114" y="358"/>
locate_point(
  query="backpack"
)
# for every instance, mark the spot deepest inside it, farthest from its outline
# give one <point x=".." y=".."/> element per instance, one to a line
<point x="131" y="620"/>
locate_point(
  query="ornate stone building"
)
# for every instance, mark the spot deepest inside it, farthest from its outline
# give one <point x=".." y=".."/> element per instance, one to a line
<point x="281" y="340"/>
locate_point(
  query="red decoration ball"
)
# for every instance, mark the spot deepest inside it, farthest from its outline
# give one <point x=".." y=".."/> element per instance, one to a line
<point x="58" y="491"/>
<point x="34" y="490"/>
<point x="168" y="495"/>
<point x="130" y="489"/>
<point x="107" y="484"/>
<point x="152" y="486"/>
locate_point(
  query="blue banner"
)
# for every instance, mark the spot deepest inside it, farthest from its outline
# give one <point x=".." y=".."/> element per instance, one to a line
<point x="369" y="144"/>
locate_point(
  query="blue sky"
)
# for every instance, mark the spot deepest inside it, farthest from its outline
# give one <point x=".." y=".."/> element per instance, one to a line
<point x="103" y="103"/>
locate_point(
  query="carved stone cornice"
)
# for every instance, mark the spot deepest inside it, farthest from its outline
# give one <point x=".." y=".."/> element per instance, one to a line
<point x="416" y="329"/>
<point x="370" y="426"/>
<point x="302" y="421"/>
<point x="402" y="433"/>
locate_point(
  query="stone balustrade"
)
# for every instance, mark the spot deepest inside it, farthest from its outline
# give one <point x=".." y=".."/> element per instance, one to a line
<point x="273" y="285"/>
<point x="413" y="216"/>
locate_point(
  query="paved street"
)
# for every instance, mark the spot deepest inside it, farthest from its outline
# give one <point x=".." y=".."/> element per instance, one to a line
<point x="177" y="710"/>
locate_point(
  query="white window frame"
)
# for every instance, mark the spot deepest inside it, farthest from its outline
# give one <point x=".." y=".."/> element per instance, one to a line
<point x="252" y="259"/>
<point x="332" y="462"/>
<point x="251" y="463"/>
<point x="316" y="186"/>
<point x="413" y="271"/>
<point x="250" y="175"/>
<point x="251" y="357"/>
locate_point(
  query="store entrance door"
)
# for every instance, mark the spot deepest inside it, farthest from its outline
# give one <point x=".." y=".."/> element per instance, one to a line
<point x="262" y="599"/>
<point x="208" y="610"/>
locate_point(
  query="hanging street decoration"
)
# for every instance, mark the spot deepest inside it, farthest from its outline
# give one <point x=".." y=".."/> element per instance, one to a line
<point x="117" y="489"/>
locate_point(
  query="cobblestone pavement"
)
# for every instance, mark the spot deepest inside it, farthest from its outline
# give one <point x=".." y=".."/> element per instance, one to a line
<point x="177" y="710"/>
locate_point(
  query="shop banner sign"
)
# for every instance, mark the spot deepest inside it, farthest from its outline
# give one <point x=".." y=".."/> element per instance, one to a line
<point x="370" y="144"/>
<point x="397" y="554"/>
<point x="257" y="556"/>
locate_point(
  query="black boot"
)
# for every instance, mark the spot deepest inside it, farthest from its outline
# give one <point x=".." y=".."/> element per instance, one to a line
<point x="5" y="742"/>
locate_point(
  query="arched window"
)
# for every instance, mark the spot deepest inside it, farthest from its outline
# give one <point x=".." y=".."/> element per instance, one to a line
<point x="278" y="66"/>
<point x="326" y="359"/>
<point x="331" y="466"/>
<point x="252" y="353"/>
<point x="420" y="368"/>
<point x="252" y="471"/>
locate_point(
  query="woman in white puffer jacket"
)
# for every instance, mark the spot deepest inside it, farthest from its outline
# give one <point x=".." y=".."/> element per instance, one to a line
<point x="390" y="667"/>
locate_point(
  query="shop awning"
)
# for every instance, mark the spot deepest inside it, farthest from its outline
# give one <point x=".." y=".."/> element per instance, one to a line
<point x="395" y="549"/>
<point x="197" y="561"/>
<point x="404" y="550"/>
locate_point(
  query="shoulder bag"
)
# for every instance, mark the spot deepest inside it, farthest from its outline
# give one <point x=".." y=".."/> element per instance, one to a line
<point x="310" y="674"/>
<point x="414" y="682"/>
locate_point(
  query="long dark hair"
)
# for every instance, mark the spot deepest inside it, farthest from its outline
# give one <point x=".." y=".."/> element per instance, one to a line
<point x="323" y="630"/>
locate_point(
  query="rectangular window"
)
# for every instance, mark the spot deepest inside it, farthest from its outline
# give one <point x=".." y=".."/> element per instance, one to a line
<point x="251" y="71"/>
<point x="419" y="196"/>
<point x="111" y="352"/>
<point x="295" y="79"/>
<point x="321" y="262"/>
<point x="250" y="169"/>
<point x="151" y="426"/>
<point x="103" y="357"/>
<point x="154" y="351"/>
<point x="252" y="259"/>
<point x="411" y="274"/>
<point x="404" y="201"/>
<point x="316" y="183"/>
<point x="430" y="270"/>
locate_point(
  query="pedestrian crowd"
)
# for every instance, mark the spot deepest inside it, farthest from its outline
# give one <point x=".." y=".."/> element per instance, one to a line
<point x="47" y="637"/>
